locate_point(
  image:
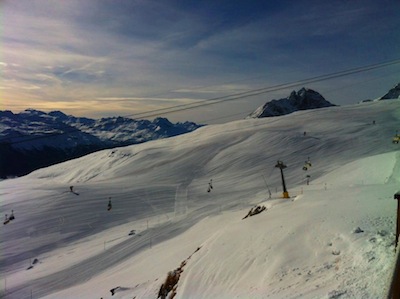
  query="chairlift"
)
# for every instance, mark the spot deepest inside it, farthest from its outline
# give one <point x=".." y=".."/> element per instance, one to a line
<point x="396" y="138"/>
<point x="307" y="164"/>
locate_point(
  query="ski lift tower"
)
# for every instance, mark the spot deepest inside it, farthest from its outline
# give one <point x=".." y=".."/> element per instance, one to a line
<point x="281" y="166"/>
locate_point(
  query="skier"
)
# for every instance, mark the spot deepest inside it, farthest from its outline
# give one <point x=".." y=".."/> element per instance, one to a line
<point x="109" y="207"/>
<point x="209" y="186"/>
<point x="6" y="220"/>
<point x="12" y="215"/>
<point x="308" y="179"/>
<point x="114" y="290"/>
<point x="71" y="188"/>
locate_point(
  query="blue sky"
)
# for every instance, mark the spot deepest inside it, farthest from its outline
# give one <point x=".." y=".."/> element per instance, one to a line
<point x="100" y="58"/>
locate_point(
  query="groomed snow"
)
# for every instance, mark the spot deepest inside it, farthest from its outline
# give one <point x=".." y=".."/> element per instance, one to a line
<point x="334" y="238"/>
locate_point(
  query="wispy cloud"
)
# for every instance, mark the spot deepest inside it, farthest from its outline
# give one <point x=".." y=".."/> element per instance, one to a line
<point x="81" y="51"/>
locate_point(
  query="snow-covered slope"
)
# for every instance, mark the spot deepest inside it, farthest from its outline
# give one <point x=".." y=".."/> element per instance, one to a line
<point x="332" y="239"/>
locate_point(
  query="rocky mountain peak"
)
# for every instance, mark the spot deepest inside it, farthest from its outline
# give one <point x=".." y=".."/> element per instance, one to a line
<point x="393" y="93"/>
<point x="303" y="99"/>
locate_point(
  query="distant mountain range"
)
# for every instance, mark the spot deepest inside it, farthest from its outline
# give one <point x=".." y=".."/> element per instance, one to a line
<point x="34" y="139"/>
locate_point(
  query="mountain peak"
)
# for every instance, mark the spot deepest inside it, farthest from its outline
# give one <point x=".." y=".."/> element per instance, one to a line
<point x="33" y="112"/>
<point x="394" y="93"/>
<point x="58" y="114"/>
<point x="303" y="99"/>
<point x="161" y="121"/>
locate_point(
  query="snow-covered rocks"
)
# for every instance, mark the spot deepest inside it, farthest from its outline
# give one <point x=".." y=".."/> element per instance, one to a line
<point x="303" y="99"/>
<point x="393" y="93"/>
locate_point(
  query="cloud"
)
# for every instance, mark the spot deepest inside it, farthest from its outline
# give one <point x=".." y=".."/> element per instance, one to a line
<point x="81" y="51"/>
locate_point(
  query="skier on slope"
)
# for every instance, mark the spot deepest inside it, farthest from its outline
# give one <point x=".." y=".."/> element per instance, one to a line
<point x="210" y="186"/>
<point x="6" y="220"/>
<point x="12" y="217"/>
<point x="109" y="206"/>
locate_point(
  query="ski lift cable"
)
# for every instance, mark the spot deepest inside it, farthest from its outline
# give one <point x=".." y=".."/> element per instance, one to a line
<point x="232" y="97"/>
<point x="259" y="91"/>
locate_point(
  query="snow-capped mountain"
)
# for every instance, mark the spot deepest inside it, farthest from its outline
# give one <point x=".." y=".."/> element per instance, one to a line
<point x="33" y="139"/>
<point x="303" y="99"/>
<point x="394" y="93"/>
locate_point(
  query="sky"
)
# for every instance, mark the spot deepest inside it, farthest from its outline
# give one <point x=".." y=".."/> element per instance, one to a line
<point x="125" y="58"/>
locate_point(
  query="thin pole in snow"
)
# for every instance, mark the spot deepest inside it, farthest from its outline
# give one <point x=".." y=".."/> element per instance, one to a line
<point x="397" y="196"/>
<point x="269" y="191"/>
<point x="394" y="291"/>
<point x="398" y="222"/>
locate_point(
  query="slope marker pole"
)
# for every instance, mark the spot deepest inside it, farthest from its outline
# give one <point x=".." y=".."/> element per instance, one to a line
<point x="397" y="196"/>
<point x="269" y="191"/>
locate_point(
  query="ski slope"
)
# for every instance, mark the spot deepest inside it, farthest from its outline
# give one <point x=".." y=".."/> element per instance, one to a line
<point x="334" y="238"/>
